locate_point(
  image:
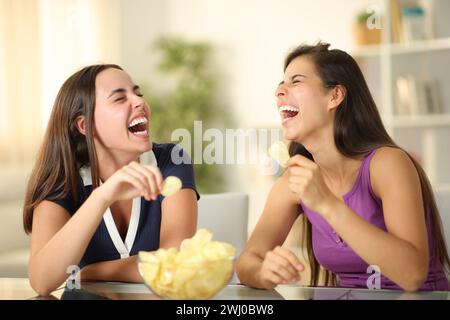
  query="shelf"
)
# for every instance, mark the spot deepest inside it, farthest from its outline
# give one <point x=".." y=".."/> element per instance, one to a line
<point x="424" y="134"/>
<point x="402" y="48"/>
<point x="421" y="46"/>
<point x="420" y="121"/>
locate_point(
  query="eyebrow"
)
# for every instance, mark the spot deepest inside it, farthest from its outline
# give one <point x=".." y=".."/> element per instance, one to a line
<point x="120" y="90"/>
<point x="294" y="76"/>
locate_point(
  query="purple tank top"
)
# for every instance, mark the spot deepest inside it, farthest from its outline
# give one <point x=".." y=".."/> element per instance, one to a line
<point x="336" y="256"/>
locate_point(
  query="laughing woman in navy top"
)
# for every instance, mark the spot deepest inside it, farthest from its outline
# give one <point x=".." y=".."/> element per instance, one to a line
<point x="93" y="198"/>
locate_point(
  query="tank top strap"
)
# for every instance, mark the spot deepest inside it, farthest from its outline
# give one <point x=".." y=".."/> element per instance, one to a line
<point x="365" y="170"/>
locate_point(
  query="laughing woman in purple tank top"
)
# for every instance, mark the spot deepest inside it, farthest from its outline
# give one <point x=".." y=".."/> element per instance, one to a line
<point x="364" y="200"/>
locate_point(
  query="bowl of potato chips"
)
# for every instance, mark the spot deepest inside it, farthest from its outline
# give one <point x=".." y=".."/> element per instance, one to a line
<point x="200" y="269"/>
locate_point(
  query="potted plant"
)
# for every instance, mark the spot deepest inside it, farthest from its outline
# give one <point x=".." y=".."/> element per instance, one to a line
<point x="367" y="29"/>
<point x="192" y="97"/>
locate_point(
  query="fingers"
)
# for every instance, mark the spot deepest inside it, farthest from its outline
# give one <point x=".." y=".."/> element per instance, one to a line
<point x="147" y="179"/>
<point x="129" y="176"/>
<point x="302" y="161"/>
<point x="138" y="180"/>
<point x="297" y="183"/>
<point x="297" y="180"/>
<point x="153" y="177"/>
<point x="300" y="176"/>
<point x="300" y="171"/>
<point x="281" y="266"/>
<point x="273" y="278"/>
<point x="157" y="174"/>
<point x="291" y="257"/>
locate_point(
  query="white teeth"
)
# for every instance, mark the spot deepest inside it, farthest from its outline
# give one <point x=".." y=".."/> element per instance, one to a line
<point x="141" y="133"/>
<point x="289" y="108"/>
<point x="137" y="121"/>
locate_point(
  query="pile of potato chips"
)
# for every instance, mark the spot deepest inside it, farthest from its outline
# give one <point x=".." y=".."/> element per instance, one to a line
<point x="200" y="269"/>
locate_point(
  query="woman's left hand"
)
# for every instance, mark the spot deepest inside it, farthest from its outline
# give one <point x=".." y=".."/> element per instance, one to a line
<point x="306" y="182"/>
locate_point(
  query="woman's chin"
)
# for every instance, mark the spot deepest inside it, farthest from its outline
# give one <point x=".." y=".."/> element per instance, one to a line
<point x="147" y="146"/>
<point x="290" y="136"/>
<point x="142" y="146"/>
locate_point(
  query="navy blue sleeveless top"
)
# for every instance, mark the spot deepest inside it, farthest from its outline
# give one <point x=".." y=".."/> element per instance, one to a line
<point x="145" y="221"/>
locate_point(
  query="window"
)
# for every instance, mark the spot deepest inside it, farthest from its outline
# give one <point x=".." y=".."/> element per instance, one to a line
<point x="46" y="41"/>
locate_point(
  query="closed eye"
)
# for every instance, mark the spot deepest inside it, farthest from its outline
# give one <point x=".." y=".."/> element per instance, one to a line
<point x="120" y="99"/>
<point x="295" y="79"/>
<point x="123" y="98"/>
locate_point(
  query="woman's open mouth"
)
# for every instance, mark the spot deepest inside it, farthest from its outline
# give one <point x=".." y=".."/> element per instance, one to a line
<point x="288" y="112"/>
<point x="139" y="127"/>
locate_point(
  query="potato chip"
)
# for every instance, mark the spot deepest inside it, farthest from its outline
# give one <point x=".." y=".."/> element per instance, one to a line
<point x="279" y="152"/>
<point x="148" y="257"/>
<point x="217" y="250"/>
<point x="150" y="270"/>
<point x="197" y="271"/>
<point x="166" y="255"/>
<point x="171" y="185"/>
<point x="201" y="237"/>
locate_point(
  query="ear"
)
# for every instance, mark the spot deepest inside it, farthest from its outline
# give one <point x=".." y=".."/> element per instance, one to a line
<point x="338" y="94"/>
<point x="80" y="124"/>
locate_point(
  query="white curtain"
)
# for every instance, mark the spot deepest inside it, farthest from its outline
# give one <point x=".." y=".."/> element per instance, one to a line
<point x="42" y="42"/>
<point x="19" y="79"/>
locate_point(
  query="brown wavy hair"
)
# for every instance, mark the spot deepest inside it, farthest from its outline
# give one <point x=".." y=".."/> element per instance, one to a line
<point x="64" y="149"/>
<point x="358" y="129"/>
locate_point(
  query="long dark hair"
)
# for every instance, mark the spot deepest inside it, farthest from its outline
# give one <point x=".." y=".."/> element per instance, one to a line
<point x="64" y="149"/>
<point x="358" y="129"/>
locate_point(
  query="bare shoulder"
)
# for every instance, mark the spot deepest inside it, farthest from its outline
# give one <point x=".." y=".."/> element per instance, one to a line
<point x="391" y="166"/>
<point x="281" y="203"/>
<point x="389" y="159"/>
<point x="280" y="191"/>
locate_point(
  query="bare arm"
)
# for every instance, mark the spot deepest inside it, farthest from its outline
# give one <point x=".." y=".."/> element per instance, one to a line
<point x="59" y="241"/>
<point x="402" y="251"/>
<point x="280" y="213"/>
<point x="124" y="270"/>
<point x="178" y="218"/>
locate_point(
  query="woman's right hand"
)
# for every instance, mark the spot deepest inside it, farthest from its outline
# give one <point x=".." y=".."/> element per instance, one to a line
<point x="280" y="266"/>
<point x="132" y="180"/>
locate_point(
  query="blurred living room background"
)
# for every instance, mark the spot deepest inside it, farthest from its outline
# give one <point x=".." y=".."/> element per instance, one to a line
<point x="234" y="50"/>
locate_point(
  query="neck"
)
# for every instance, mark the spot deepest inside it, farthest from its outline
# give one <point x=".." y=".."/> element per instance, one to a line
<point x="112" y="160"/>
<point x="333" y="164"/>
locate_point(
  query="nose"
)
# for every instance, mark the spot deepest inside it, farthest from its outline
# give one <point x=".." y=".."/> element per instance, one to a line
<point x="280" y="92"/>
<point x="138" y="101"/>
